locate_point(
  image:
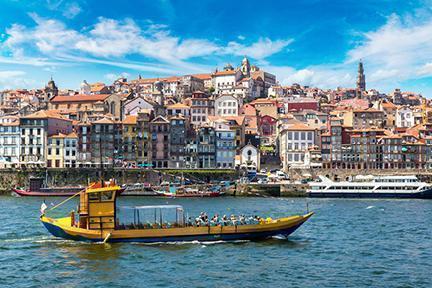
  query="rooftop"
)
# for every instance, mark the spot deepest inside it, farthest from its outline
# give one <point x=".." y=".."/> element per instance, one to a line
<point x="80" y="98"/>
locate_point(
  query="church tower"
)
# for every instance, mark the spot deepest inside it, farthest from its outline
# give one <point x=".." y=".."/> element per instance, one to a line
<point x="361" y="79"/>
<point x="245" y="67"/>
<point x="50" y="90"/>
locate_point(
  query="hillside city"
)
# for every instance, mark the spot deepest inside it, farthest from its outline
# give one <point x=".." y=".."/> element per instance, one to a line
<point x="234" y="117"/>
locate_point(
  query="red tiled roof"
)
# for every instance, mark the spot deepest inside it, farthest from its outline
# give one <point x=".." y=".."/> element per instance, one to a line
<point x="206" y="76"/>
<point x="223" y="73"/>
<point x="79" y="98"/>
<point x="43" y="114"/>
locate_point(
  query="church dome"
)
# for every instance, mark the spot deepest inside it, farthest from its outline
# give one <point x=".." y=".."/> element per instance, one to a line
<point x="85" y="87"/>
<point x="228" y="67"/>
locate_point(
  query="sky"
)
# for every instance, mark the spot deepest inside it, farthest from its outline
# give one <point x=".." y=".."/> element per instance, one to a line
<point x="310" y="42"/>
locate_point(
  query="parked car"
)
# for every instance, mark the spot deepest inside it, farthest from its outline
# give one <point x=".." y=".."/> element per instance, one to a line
<point x="281" y="175"/>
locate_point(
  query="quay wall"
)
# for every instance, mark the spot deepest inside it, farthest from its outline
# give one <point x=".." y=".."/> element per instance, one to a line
<point x="271" y="190"/>
<point x="344" y="174"/>
<point x="10" y="178"/>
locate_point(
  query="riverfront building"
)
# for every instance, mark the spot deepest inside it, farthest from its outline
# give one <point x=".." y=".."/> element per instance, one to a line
<point x="217" y="120"/>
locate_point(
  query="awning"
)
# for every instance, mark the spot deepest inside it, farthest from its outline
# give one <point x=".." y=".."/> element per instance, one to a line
<point x="153" y="207"/>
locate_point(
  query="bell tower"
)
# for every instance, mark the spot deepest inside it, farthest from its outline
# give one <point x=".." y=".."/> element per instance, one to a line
<point x="361" y="80"/>
<point x="245" y="67"/>
<point x="51" y="89"/>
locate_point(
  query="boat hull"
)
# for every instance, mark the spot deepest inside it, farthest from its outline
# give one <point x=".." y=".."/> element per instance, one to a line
<point x="191" y="195"/>
<point x="427" y="194"/>
<point x="50" y="193"/>
<point x="284" y="227"/>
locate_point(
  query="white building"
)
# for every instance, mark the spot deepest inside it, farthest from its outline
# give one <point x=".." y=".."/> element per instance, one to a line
<point x="224" y="82"/>
<point x="404" y="117"/>
<point x="250" y="156"/>
<point x="177" y="109"/>
<point x="9" y="143"/>
<point x="295" y="140"/>
<point x="85" y="88"/>
<point x="70" y="150"/>
<point x="227" y="105"/>
<point x="35" y="130"/>
<point x="225" y="144"/>
<point x="133" y="106"/>
<point x="201" y="107"/>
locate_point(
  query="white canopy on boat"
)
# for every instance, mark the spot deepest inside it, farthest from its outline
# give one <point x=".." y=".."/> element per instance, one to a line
<point x="153" y="207"/>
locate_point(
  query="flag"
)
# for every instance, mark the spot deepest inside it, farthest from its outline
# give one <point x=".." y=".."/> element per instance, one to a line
<point x="43" y="207"/>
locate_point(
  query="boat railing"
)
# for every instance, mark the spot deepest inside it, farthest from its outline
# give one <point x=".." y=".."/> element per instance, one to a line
<point x="160" y="219"/>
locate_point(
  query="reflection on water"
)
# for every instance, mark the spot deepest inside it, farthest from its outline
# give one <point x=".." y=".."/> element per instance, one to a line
<point x="354" y="243"/>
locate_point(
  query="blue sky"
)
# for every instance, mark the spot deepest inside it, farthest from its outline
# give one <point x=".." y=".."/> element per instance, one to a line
<point x="310" y="42"/>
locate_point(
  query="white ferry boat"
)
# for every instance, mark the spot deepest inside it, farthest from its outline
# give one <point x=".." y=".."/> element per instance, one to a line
<point x="371" y="187"/>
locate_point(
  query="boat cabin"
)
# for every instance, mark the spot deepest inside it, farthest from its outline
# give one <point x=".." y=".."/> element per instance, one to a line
<point x="97" y="209"/>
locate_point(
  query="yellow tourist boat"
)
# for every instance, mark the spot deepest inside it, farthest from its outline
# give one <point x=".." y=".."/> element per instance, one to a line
<point x="97" y="221"/>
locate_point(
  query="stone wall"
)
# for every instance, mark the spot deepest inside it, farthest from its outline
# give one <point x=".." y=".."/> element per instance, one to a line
<point x="68" y="177"/>
<point x="344" y="174"/>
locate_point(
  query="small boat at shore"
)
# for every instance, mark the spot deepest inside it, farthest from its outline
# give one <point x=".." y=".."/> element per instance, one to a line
<point x="371" y="187"/>
<point x="36" y="189"/>
<point x="183" y="191"/>
<point x="98" y="220"/>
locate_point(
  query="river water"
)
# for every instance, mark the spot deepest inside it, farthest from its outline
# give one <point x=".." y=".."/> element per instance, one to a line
<point x="348" y="243"/>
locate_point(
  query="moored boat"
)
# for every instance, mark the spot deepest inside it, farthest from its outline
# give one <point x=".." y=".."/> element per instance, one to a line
<point x="98" y="220"/>
<point x="36" y="189"/>
<point x="175" y="191"/>
<point x="371" y="187"/>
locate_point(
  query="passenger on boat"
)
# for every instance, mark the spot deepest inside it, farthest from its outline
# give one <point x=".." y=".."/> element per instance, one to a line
<point x="224" y="220"/>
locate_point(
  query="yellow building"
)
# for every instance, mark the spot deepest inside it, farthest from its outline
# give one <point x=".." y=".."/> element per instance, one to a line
<point x="62" y="150"/>
<point x="55" y="151"/>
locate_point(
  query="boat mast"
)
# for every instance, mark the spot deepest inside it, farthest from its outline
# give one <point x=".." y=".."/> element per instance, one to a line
<point x="101" y="171"/>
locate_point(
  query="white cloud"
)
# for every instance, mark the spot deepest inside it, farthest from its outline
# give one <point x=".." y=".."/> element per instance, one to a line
<point x="398" y="51"/>
<point x="72" y="10"/>
<point x="110" y="38"/>
<point x="32" y="61"/>
<point x="262" y="49"/>
<point x="425" y="70"/>
<point x="11" y="78"/>
<point x="48" y="36"/>
<point x="317" y="76"/>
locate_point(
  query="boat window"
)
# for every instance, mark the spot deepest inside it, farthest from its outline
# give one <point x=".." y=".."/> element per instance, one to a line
<point x="93" y="196"/>
<point x="106" y="196"/>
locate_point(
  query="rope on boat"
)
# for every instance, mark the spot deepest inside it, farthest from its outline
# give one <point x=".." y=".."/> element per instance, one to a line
<point x="64" y="201"/>
<point x="106" y="238"/>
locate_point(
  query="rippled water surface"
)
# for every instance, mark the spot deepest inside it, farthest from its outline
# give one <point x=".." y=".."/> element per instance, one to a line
<point x="348" y="243"/>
